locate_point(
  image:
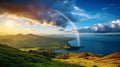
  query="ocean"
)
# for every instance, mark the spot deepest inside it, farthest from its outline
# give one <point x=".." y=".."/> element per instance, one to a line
<point x="97" y="43"/>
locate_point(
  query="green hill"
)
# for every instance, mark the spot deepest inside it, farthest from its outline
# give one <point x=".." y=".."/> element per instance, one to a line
<point x="30" y="41"/>
<point x="12" y="57"/>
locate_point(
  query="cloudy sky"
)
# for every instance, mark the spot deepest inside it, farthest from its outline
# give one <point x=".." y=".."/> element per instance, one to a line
<point x="99" y="11"/>
<point x="53" y="16"/>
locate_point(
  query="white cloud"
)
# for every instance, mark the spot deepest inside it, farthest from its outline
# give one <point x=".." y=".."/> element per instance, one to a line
<point x="79" y="9"/>
<point x="104" y="8"/>
<point x="113" y="26"/>
<point x="95" y="28"/>
<point x="82" y="14"/>
<point x="115" y="21"/>
<point x="65" y="1"/>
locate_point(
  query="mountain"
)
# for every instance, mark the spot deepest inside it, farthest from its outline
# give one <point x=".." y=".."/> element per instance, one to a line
<point x="30" y="40"/>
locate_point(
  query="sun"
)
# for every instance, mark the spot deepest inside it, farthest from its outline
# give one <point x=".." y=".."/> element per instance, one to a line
<point x="9" y="23"/>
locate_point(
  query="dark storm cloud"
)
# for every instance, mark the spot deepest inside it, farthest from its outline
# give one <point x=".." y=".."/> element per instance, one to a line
<point x="40" y="10"/>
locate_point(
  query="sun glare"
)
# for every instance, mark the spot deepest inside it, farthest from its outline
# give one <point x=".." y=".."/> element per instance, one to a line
<point x="10" y="23"/>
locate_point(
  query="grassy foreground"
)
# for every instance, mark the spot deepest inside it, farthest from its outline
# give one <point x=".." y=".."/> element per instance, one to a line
<point x="11" y="57"/>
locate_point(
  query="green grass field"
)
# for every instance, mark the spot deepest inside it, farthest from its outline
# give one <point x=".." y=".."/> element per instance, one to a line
<point x="12" y="57"/>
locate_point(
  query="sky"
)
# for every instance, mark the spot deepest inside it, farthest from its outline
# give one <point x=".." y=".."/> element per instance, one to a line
<point x="104" y="11"/>
<point x="55" y="16"/>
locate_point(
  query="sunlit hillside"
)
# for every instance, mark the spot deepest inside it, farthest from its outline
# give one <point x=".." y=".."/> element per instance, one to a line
<point x="34" y="41"/>
<point x="89" y="59"/>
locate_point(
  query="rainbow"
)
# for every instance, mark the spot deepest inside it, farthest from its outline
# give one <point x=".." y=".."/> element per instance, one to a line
<point x="73" y="25"/>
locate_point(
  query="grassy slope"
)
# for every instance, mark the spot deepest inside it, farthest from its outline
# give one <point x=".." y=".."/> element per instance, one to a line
<point x="24" y="41"/>
<point x="11" y="57"/>
<point x="91" y="60"/>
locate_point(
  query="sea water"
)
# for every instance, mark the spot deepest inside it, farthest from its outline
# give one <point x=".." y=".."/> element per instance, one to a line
<point x="97" y="43"/>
